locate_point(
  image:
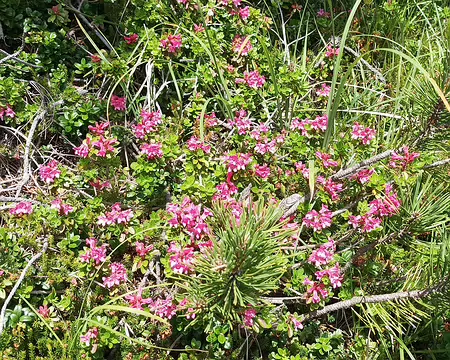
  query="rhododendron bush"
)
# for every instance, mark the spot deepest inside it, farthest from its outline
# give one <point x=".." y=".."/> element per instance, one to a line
<point x="224" y="179"/>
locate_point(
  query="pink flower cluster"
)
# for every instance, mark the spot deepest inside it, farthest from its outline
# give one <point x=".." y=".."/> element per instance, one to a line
<point x="331" y="187"/>
<point x="363" y="176"/>
<point x="323" y="14"/>
<point x="365" y="134"/>
<point x="153" y="151"/>
<point x="92" y="334"/>
<point x="296" y="322"/>
<point x="194" y="144"/>
<point x="237" y="162"/>
<point x="164" y="308"/>
<point x="253" y="79"/>
<point x="323" y="255"/>
<point x="118" y="275"/>
<point x="142" y="250"/>
<point x="119" y="103"/>
<point x="242" y="45"/>
<point x="378" y="208"/>
<point x="8" y="112"/>
<point x="190" y="217"/>
<point x="241" y="121"/>
<point x="315" y="291"/>
<point x="63" y="209"/>
<point x="258" y="131"/>
<point x="249" y="316"/>
<point x="182" y="260"/>
<point x="149" y="123"/>
<point x="332" y="52"/>
<point x="324" y="90"/>
<point x="318" y="220"/>
<point x="132" y="39"/>
<point x="100" y="185"/>
<point x="326" y="160"/>
<point x="262" y="171"/>
<point x="115" y="216"/>
<point x="136" y="301"/>
<point x="50" y="172"/>
<point x="172" y="43"/>
<point x="402" y="161"/>
<point x="300" y="167"/>
<point x="225" y="191"/>
<point x="210" y="120"/>
<point x="265" y="146"/>
<point x="100" y="147"/>
<point x="94" y="252"/>
<point x="319" y="123"/>
<point x="44" y="311"/>
<point x="22" y="208"/>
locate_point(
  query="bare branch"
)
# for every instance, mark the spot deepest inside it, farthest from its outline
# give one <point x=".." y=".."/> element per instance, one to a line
<point x="19" y="282"/>
<point x="437" y="163"/>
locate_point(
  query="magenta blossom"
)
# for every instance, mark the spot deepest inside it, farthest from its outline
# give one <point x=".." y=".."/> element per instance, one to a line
<point x="323" y="255"/>
<point x="253" y="79"/>
<point x="22" y="208"/>
<point x="142" y="250"/>
<point x="183" y="260"/>
<point x="333" y="274"/>
<point x="49" y="172"/>
<point x="365" y="134"/>
<point x="119" y="103"/>
<point x="132" y="39"/>
<point x="242" y="45"/>
<point x="63" y="209"/>
<point x="8" y="112"/>
<point x="153" y="151"/>
<point x="326" y="160"/>
<point x="324" y="90"/>
<point x="262" y="171"/>
<point x="98" y="254"/>
<point x="118" y="275"/>
<point x="318" y="220"/>
<point x="172" y="44"/>
<point x="136" y="301"/>
<point x="402" y="161"/>
<point x="92" y="334"/>
<point x="249" y="315"/>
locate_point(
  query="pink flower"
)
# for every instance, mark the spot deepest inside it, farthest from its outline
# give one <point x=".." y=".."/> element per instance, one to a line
<point x="44" y="311"/>
<point x="326" y="160"/>
<point x="319" y="123"/>
<point x="198" y="28"/>
<point x="171" y="44"/>
<point x="300" y="167"/>
<point x="164" y="308"/>
<point x="323" y="255"/>
<point x="183" y="260"/>
<point x="366" y="135"/>
<point x="96" y="58"/>
<point x="190" y="315"/>
<point x="91" y="334"/>
<point x="118" y="275"/>
<point x="404" y="160"/>
<point x="331" y="187"/>
<point x="297" y="323"/>
<point x="194" y="144"/>
<point x="323" y="14"/>
<point x="318" y="220"/>
<point x="22" y="208"/>
<point x="253" y="79"/>
<point x="115" y="216"/>
<point x="263" y="171"/>
<point x="63" y="209"/>
<point x="82" y="150"/>
<point x="136" y="301"/>
<point x="387" y="206"/>
<point x="190" y="217"/>
<point x="99" y="129"/>
<point x="241" y="45"/>
<point x="118" y="103"/>
<point x="249" y="315"/>
<point x="130" y="40"/>
<point x="143" y="250"/>
<point x="210" y="120"/>
<point x="366" y="223"/>
<point x="9" y="112"/>
<point x="315" y="292"/>
<point x="324" y="90"/>
<point x="363" y="176"/>
<point x="241" y="121"/>
<point x="99" y="185"/>
<point x="104" y="146"/>
<point x="332" y="52"/>
<point x="150" y="121"/>
<point x="244" y="13"/>
<point x="266" y="146"/>
<point x="98" y="254"/>
<point x="225" y="191"/>
<point x="153" y="151"/>
<point x="333" y="274"/>
<point x="237" y="162"/>
<point x="50" y="172"/>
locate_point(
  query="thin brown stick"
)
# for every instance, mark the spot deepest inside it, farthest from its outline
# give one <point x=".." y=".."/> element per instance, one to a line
<point x="19" y="282"/>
